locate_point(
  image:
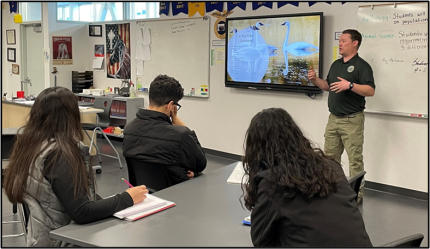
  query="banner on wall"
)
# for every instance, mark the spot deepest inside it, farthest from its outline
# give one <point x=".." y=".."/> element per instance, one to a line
<point x="164" y="8"/>
<point x="118" y="51"/>
<point x="179" y="7"/>
<point x="62" y="50"/>
<point x="256" y="5"/>
<point x="219" y="27"/>
<point x="282" y="4"/>
<point x="211" y="6"/>
<point x="194" y="7"/>
<point x="312" y="3"/>
<point x="232" y="5"/>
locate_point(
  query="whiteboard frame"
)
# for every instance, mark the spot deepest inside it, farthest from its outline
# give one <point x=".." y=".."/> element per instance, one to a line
<point x="209" y="49"/>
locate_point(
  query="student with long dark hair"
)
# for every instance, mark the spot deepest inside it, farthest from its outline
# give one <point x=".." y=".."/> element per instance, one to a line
<point x="50" y="171"/>
<point x="298" y="196"/>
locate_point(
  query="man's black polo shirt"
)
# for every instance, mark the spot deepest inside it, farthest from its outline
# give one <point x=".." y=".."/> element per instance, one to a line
<point x="357" y="71"/>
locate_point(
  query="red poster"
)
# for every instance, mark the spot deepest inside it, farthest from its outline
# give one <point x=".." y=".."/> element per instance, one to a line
<point x="62" y="50"/>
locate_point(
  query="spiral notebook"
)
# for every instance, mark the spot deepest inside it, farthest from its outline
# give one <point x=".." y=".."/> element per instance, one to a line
<point x="150" y="205"/>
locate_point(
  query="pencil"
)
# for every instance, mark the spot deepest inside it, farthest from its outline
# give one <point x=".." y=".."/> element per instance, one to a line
<point x="127" y="182"/>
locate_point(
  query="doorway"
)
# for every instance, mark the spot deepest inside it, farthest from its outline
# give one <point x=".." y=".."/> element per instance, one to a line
<point x="32" y="77"/>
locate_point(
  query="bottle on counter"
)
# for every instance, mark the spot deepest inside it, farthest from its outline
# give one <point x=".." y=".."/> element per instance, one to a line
<point x="132" y="90"/>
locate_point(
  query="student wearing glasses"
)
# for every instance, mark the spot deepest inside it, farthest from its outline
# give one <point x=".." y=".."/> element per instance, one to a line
<point x="157" y="136"/>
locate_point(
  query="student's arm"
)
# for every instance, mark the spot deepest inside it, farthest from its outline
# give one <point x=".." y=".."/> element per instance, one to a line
<point x="264" y="219"/>
<point x="192" y="155"/>
<point x="83" y="210"/>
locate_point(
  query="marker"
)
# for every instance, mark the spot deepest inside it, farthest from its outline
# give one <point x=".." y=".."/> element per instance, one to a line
<point x="127" y="182"/>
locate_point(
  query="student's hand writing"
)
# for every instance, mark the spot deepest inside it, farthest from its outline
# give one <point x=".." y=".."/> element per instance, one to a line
<point x="311" y="74"/>
<point x="190" y="174"/>
<point x="138" y="193"/>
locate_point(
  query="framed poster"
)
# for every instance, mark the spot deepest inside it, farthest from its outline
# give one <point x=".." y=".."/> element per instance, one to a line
<point x="11" y="54"/>
<point x="15" y="68"/>
<point x="62" y="50"/>
<point x="118" y="51"/>
<point x="10" y="36"/>
<point x="95" y="30"/>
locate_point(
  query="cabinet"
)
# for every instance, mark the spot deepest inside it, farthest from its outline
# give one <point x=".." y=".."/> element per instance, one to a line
<point x="81" y="80"/>
<point x="122" y="110"/>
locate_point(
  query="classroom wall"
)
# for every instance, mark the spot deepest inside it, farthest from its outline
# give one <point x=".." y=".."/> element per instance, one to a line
<point x="395" y="149"/>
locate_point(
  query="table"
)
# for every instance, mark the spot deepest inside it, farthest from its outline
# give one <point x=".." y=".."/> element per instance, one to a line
<point x="207" y="214"/>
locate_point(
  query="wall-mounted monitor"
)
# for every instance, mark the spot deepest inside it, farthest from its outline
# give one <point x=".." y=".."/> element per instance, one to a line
<point x="274" y="52"/>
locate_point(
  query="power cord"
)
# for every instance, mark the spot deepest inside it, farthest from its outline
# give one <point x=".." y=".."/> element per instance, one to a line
<point x="311" y="95"/>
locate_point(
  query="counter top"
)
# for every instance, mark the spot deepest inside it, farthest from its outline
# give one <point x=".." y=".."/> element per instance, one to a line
<point x="30" y="104"/>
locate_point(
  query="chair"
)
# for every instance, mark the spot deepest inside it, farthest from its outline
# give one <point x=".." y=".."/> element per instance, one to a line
<point x="154" y="177"/>
<point x="409" y="241"/>
<point x="7" y="141"/>
<point x="103" y="123"/>
<point x="355" y="182"/>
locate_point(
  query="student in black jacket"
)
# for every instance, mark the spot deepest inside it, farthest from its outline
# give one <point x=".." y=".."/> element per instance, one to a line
<point x="158" y="136"/>
<point x="298" y="196"/>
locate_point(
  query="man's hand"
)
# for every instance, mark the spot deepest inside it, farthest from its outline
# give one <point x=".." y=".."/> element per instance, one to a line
<point x="340" y="86"/>
<point x="312" y="75"/>
<point x="190" y="174"/>
<point x="175" y="119"/>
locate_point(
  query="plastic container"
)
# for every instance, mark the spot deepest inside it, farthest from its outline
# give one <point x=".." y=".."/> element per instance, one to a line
<point x="20" y="94"/>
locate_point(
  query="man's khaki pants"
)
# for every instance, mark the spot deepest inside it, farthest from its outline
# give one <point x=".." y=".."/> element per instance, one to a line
<point x="346" y="132"/>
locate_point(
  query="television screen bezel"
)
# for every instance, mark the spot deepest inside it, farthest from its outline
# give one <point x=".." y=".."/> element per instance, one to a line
<point x="276" y="87"/>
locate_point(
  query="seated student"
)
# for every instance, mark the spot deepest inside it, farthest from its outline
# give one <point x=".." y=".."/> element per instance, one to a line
<point x="50" y="171"/>
<point x="157" y="136"/>
<point x="298" y="196"/>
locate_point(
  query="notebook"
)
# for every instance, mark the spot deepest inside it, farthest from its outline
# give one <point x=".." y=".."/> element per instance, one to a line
<point x="150" y="205"/>
<point x="237" y="174"/>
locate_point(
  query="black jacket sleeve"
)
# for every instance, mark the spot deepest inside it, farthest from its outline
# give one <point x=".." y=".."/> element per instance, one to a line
<point x="192" y="155"/>
<point x="264" y="218"/>
<point x="83" y="210"/>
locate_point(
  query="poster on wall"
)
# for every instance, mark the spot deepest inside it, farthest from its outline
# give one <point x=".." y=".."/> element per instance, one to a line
<point x="118" y="51"/>
<point x="99" y="50"/>
<point x="62" y="50"/>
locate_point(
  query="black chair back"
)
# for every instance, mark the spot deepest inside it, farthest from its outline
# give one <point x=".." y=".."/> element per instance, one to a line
<point x="105" y="104"/>
<point x="154" y="177"/>
<point x="355" y="182"/>
<point x="410" y="241"/>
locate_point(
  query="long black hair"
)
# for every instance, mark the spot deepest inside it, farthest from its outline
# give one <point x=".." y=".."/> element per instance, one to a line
<point x="54" y="118"/>
<point x="275" y="143"/>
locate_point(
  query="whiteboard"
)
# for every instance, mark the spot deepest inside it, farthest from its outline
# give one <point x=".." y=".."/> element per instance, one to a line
<point x="395" y="44"/>
<point x="179" y="48"/>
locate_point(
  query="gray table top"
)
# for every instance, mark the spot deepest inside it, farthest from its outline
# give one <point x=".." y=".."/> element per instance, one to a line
<point x="207" y="214"/>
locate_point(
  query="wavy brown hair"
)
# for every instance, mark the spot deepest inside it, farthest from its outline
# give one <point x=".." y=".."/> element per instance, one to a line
<point x="54" y="118"/>
<point x="275" y="143"/>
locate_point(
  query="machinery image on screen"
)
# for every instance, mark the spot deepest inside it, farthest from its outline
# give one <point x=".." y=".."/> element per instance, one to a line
<point x="274" y="52"/>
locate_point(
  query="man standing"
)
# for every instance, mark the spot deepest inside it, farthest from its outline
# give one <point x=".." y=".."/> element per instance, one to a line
<point x="349" y="81"/>
<point x="157" y="136"/>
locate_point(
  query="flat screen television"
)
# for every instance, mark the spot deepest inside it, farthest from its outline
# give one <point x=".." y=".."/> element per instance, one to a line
<point x="274" y="52"/>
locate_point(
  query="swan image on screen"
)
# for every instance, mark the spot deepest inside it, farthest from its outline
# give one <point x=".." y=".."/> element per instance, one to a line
<point x="273" y="50"/>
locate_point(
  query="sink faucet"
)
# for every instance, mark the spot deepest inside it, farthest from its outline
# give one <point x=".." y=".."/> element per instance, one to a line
<point x="27" y="81"/>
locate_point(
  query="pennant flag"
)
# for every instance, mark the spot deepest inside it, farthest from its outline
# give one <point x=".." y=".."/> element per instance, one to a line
<point x="281" y="4"/>
<point x="13" y="7"/>
<point x="194" y="7"/>
<point x="179" y="7"/>
<point x="164" y="8"/>
<point x="312" y="3"/>
<point x="211" y="6"/>
<point x="232" y="5"/>
<point x="343" y="3"/>
<point x="256" y="5"/>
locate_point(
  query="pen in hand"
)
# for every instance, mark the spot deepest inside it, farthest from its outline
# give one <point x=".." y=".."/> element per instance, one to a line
<point x="131" y="186"/>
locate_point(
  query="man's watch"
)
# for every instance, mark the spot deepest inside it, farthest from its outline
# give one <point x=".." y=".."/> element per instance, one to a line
<point x="351" y="85"/>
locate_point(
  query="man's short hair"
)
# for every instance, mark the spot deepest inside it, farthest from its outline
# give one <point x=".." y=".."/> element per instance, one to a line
<point x="165" y="89"/>
<point x="355" y="36"/>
